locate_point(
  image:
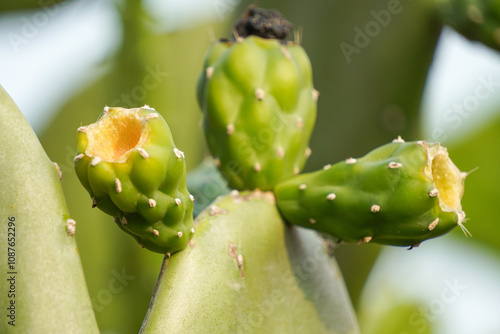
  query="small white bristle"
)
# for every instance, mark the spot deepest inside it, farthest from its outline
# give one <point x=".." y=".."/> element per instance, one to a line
<point x="312" y="221"/>
<point x="234" y="193"/>
<point x="118" y="185"/>
<point x="308" y="152"/>
<point x="259" y="94"/>
<point x="78" y="157"/>
<point x="59" y="172"/>
<point x="143" y="153"/>
<point x="394" y="165"/>
<point x="178" y="201"/>
<point x="398" y="140"/>
<point x="375" y="208"/>
<point x="257" y="167"/>
<point x="82" y="129"/>
<point x="71" y="227"/>
<point x="300" y="122"/>
<point x="106" y="109"/>
<point x="217" y="162"/>
<point x="281" y="152"/>
<point x="191" y="197"/>
<point x="179" y="234"/>
<point x="303" y="186"/>
<point x="156" y="233"/>
<point x="350" y="161"/>
<point x="230" y="128"/>
<point x="325" y="167"/>
<point x="315" y="95"/>
<point x="152" y="115"/>
<point x="152" y="203"/>
<point x="209" y="71"/>
<point x="286" y="53"/>
<point x="331" y="196"/>
<point x="433" y="193"/>
<point x="192" y="229"/>
<point x="296" y="171"/>
<point x="94" y="202"/>
<point x="433" y="224"/>
<point x="124" y="221"/>
<point x="178" y="153"/>
<point x="367" y="239"/>
<point x="95" y="161"/>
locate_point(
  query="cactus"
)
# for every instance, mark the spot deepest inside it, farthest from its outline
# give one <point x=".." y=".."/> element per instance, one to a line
<point x="129" y="164"/>
<point x="398" y="194"/>
<point x="248" y="272"/>
<point x="42" y="274"/>
<point x="259" y="104"/>
<point x="477" y="20"/>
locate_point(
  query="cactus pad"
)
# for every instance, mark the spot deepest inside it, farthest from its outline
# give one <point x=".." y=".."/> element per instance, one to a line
<point x="129" y="164"/>
<point x="259" y="109"/>
<point x="398" y="194"/>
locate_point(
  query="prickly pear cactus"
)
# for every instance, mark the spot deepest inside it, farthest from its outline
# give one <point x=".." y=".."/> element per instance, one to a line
<point x="259" y="104"/>
<point x="398" y="194"/>
<point x="478" y="20"/>
<point x="129" y="164"/>
<point x="246" y="271"/>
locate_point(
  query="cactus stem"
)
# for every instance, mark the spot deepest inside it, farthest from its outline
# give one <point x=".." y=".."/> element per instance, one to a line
<point x="94" y="202"/>
<point x="152" y="203"/>
<point x="281" y="152"/>
<point x="78" y="157"/>
<point x="350" y="161"/>
<point x="230" y="129"/>
<point x="433" y="193"/>
<point x="325" y="167"/>
<point x="118" y="185"/>
<point x="156" y="233"/>
<point x="71" y="227"/>
<point x="433" y="224"/>
<point x="178" y="153"/>
<point x="302" y="186"/>
<point x="375" y="208"/>
<point x="124" y="221"/>
<point x="300" y="122"/>
<point x="286" y="53"/>
<point x="259" y="94"/>
<point x="143" y="153"/>
<point x="315" y="95"/>
<point x="191" y="197"/>
<point x="82" y="129"/>
<point x="393" y="165"/>
<point x="312" y="220"/>
<point x="398" y="140"/>
<point x="95" y="161"/>
<point x="331" y="196"/>
<point x="58" y="169"/>
<point x="475" y="14"/>
<point x="152" y="115"/>
<point x="179" y="234"/>
<point x="257" y="167"/>
<point x="209" y="71"/>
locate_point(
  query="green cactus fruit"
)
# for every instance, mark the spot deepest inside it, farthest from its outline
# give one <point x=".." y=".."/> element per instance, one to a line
<point x="259" y="109"/>
<point x="478" y="20"/>
<point x="129" y="164"/>
<point x="246" y="271"/>
<point x="398" y="194"/>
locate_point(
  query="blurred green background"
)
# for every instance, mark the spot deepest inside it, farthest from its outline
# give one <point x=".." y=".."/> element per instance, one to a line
<point x="63" y="61"/>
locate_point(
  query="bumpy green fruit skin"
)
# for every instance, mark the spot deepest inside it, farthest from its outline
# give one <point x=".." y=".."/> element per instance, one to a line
<point x="145" y="188"/>
<point x="390" y="196"/>
<point x="478" y="20"/>
<point x="259" y="109"/>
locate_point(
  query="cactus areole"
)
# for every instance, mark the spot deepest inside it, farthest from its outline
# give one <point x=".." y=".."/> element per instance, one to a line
<point x="398" y="194"/>
<point x="129" y="164"/>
